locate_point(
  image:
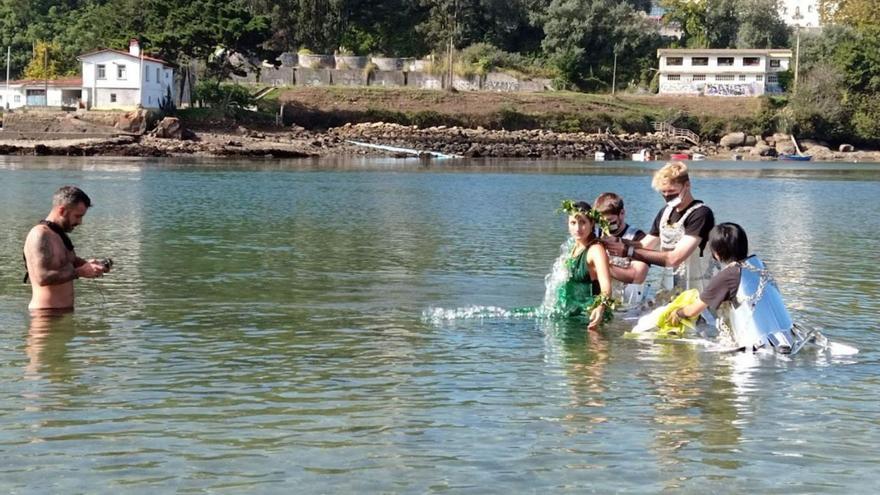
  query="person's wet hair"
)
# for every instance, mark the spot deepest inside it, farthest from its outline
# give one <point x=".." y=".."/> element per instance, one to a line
<point x="70" y="195"/>
<point x="609" y="203"/>
<point x="729" y="242"/>
<point x="582" y="206"/>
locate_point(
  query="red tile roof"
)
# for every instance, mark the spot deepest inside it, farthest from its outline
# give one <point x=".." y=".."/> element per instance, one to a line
<point x="123" y="52"/>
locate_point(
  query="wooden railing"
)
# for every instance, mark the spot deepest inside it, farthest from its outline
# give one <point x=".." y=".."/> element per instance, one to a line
<point x="677" y="132"/>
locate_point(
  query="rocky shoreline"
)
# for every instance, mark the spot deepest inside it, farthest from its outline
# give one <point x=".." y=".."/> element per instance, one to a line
<point x="297" y="142"/>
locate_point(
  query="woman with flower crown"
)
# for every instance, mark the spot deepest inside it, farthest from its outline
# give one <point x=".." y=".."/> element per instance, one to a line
<point x="587" y="290"/>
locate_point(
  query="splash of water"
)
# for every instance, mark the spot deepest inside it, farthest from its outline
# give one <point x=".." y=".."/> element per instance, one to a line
<point x="556" y="303"/>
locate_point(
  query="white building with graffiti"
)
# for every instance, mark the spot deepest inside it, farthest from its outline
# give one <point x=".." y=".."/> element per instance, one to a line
<point x="721" y="72"/>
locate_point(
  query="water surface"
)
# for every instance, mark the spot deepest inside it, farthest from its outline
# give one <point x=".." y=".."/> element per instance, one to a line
<point x="263" y="330"/>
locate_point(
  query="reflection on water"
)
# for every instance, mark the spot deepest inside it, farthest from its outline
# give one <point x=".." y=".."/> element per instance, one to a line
<point x="263" y="326"/>
<point x="46" y="346"/>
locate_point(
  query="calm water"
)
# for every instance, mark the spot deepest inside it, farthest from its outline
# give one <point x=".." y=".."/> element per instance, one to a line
<point x="263" y="332"/>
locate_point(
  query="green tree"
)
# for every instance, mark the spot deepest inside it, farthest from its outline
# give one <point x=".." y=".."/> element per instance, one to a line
<point x="507" y="24"/>
<point x="722" y="23"/>
<point x="690" y="16"/>
<point x="819" y="106"/>
<point x="856" y="13"/>
<point x="44" y="64"/>
<point x="760" y="25"/>
<point x="866" y="118"/>
<point x="582" y="37"/>
<point x="858" y="58"/>
<point x="728" y="23"/>
<point x="386" y="27"/>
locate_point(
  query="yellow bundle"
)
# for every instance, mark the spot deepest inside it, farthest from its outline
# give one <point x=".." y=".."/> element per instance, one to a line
<point x="664" y="328"/>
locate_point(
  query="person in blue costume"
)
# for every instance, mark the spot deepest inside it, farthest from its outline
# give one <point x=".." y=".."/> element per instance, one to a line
<point x="587" y="290"/>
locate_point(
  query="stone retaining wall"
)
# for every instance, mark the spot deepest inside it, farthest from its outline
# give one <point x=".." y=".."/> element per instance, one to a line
<point x="301" y="76"/>
<point x="388" y="78"/>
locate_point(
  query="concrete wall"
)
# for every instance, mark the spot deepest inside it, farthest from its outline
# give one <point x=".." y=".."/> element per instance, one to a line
<point x="312" y="77"/>
<point x="301" y="76"/>
<point x="423" y="80"/>
<point x="471" y="83"/>
<point x="125" y="98"/>
<point x="349" y="77"/>
<point x="282" y="76"/>
<point x="388" y="78"/>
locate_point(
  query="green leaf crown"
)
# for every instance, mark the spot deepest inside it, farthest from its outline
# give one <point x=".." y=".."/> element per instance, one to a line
<point x="569" y="207"/>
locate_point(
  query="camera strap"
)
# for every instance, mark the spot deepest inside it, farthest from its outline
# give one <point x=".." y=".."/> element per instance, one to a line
<point x="54" y="227"/>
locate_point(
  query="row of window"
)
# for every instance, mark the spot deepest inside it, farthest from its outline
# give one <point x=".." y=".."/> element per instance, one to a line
<point x="722" y="61"/>
<point x="120" y="72"/>
<point x="797" y="10"/>
<point x="771" y="78"/>
<point x="17" y="98"/>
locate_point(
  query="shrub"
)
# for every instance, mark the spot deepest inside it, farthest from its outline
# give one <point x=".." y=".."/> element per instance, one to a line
<point x="210" y="92"/>
<point x="817" y="108"/>
<point x="866" y="118"/>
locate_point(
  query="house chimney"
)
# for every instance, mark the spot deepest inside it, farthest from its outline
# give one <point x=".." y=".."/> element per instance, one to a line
<point x="134" y="47"/>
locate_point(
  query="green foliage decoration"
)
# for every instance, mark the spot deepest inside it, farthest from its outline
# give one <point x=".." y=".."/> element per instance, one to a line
<point x="570" y="208"/>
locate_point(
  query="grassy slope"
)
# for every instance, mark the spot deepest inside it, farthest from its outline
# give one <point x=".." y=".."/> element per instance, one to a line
<point x="314" y="107"/>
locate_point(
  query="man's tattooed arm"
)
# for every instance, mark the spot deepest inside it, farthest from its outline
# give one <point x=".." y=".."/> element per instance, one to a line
<point x="46" y="264"/>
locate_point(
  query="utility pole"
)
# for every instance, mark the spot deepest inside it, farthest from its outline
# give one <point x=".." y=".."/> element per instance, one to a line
<point x="797" y="49"/>
<point x="453" y="28"/>
<point x="8" y="60"/>
<point x="46" y="75"/>
<point x="797" y="58"/>
<point x="614" y="71"/>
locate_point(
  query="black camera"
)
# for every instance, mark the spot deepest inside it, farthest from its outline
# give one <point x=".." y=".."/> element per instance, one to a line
<point x="107" y="263"/>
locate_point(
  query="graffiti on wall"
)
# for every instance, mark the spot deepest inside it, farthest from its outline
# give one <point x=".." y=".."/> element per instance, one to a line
<point x="680" y="87"/>
<point x="744" y="89"/>
<point x="709" y="89"/>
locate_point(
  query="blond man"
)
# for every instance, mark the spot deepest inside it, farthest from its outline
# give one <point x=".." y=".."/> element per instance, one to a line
<point x="677" y="239"/>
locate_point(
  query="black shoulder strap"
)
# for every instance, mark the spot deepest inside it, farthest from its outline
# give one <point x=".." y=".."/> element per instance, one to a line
<point x="61" y="233"/>
<point x="54" y="227"/>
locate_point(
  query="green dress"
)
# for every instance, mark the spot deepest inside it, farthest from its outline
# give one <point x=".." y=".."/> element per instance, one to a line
<point x="575" y="296"/>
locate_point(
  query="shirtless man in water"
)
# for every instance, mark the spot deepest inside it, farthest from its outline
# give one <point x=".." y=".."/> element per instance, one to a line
<point x="52" y="264"/>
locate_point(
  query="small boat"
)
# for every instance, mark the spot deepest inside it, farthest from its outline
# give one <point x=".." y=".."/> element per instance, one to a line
<point x="698" y="157"/>
<point x="795" y="158"/>
<point x="680" y="156"/>
<point x="408" y="151"/>
<point x="599" y="156"/>
<point x="642" y="156"/>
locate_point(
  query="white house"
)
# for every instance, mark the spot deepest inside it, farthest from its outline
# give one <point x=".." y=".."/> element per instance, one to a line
<point x="803" y="13"/>
<point x="721" y="72"/>
<point x="40" y="93"/>
<point x="114" y="79"/>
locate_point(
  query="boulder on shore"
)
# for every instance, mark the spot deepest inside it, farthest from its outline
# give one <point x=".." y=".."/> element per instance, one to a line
<point x="134" y="121"/>
<point x="808" y="144"/>
<point x="785" y="147"/>
<point x="733" y="140"/>
<point x="846" y="148"/>
<point x="170" y="128"/>
<point x="762" y="149"/>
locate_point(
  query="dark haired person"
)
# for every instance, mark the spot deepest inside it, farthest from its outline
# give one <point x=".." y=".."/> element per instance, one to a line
<point x="587" y="265"/>
<point x="52" y="264"/>
<point x="628" y="275"/>
<point x="743" y="294"/>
